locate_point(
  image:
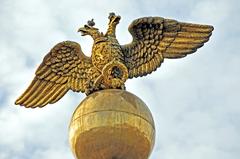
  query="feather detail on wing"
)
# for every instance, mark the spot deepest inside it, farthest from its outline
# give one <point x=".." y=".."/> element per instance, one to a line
<point x="64" y="67"/>
<point x="156" y="38"/>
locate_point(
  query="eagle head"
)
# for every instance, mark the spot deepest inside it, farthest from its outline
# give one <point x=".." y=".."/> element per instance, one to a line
<point x="114" y="19"/>
<point x="89" y="29"/>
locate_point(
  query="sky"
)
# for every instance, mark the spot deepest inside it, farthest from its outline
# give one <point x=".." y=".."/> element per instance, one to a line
<point x="194" y="101"/>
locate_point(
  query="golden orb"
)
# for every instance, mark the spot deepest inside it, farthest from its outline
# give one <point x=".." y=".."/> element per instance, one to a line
<point x="112" y="124"/>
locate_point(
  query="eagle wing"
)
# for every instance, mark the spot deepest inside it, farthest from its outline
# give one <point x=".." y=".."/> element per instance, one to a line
<point x="64" y="67"/>
<point x="156" y="38"/>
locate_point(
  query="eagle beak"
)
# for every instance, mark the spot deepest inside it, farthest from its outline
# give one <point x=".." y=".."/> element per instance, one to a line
<point x="83" y="31"/>
<point x="117" y="19"/>
<point x="114" y="19"/>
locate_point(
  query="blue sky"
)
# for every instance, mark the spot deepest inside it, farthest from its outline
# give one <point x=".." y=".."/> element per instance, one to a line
<point x="194" y="100"/>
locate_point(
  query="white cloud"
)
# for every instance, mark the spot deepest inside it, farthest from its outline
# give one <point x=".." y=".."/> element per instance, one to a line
<point x="194" y="100"/>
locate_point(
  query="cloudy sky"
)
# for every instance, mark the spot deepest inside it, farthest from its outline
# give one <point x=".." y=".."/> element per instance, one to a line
<point x="194" y="101"/>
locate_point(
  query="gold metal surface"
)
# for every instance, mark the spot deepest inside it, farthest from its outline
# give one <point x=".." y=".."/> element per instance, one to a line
<point x="66" y="67"/>
<point x="112" y="124"/>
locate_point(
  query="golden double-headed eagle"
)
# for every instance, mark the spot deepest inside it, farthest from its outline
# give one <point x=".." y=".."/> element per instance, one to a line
<point x="66" y="67"/>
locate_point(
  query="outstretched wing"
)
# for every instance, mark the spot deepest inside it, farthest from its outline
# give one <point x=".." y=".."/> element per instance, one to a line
<point x="156" y="38"/>
<point x="64" y="67"/>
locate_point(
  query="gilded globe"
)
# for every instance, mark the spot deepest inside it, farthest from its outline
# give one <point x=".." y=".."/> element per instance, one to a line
<point x="112" y="124"/>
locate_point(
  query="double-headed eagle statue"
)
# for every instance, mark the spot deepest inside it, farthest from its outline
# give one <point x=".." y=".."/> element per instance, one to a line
<point x="66" y="67"/>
